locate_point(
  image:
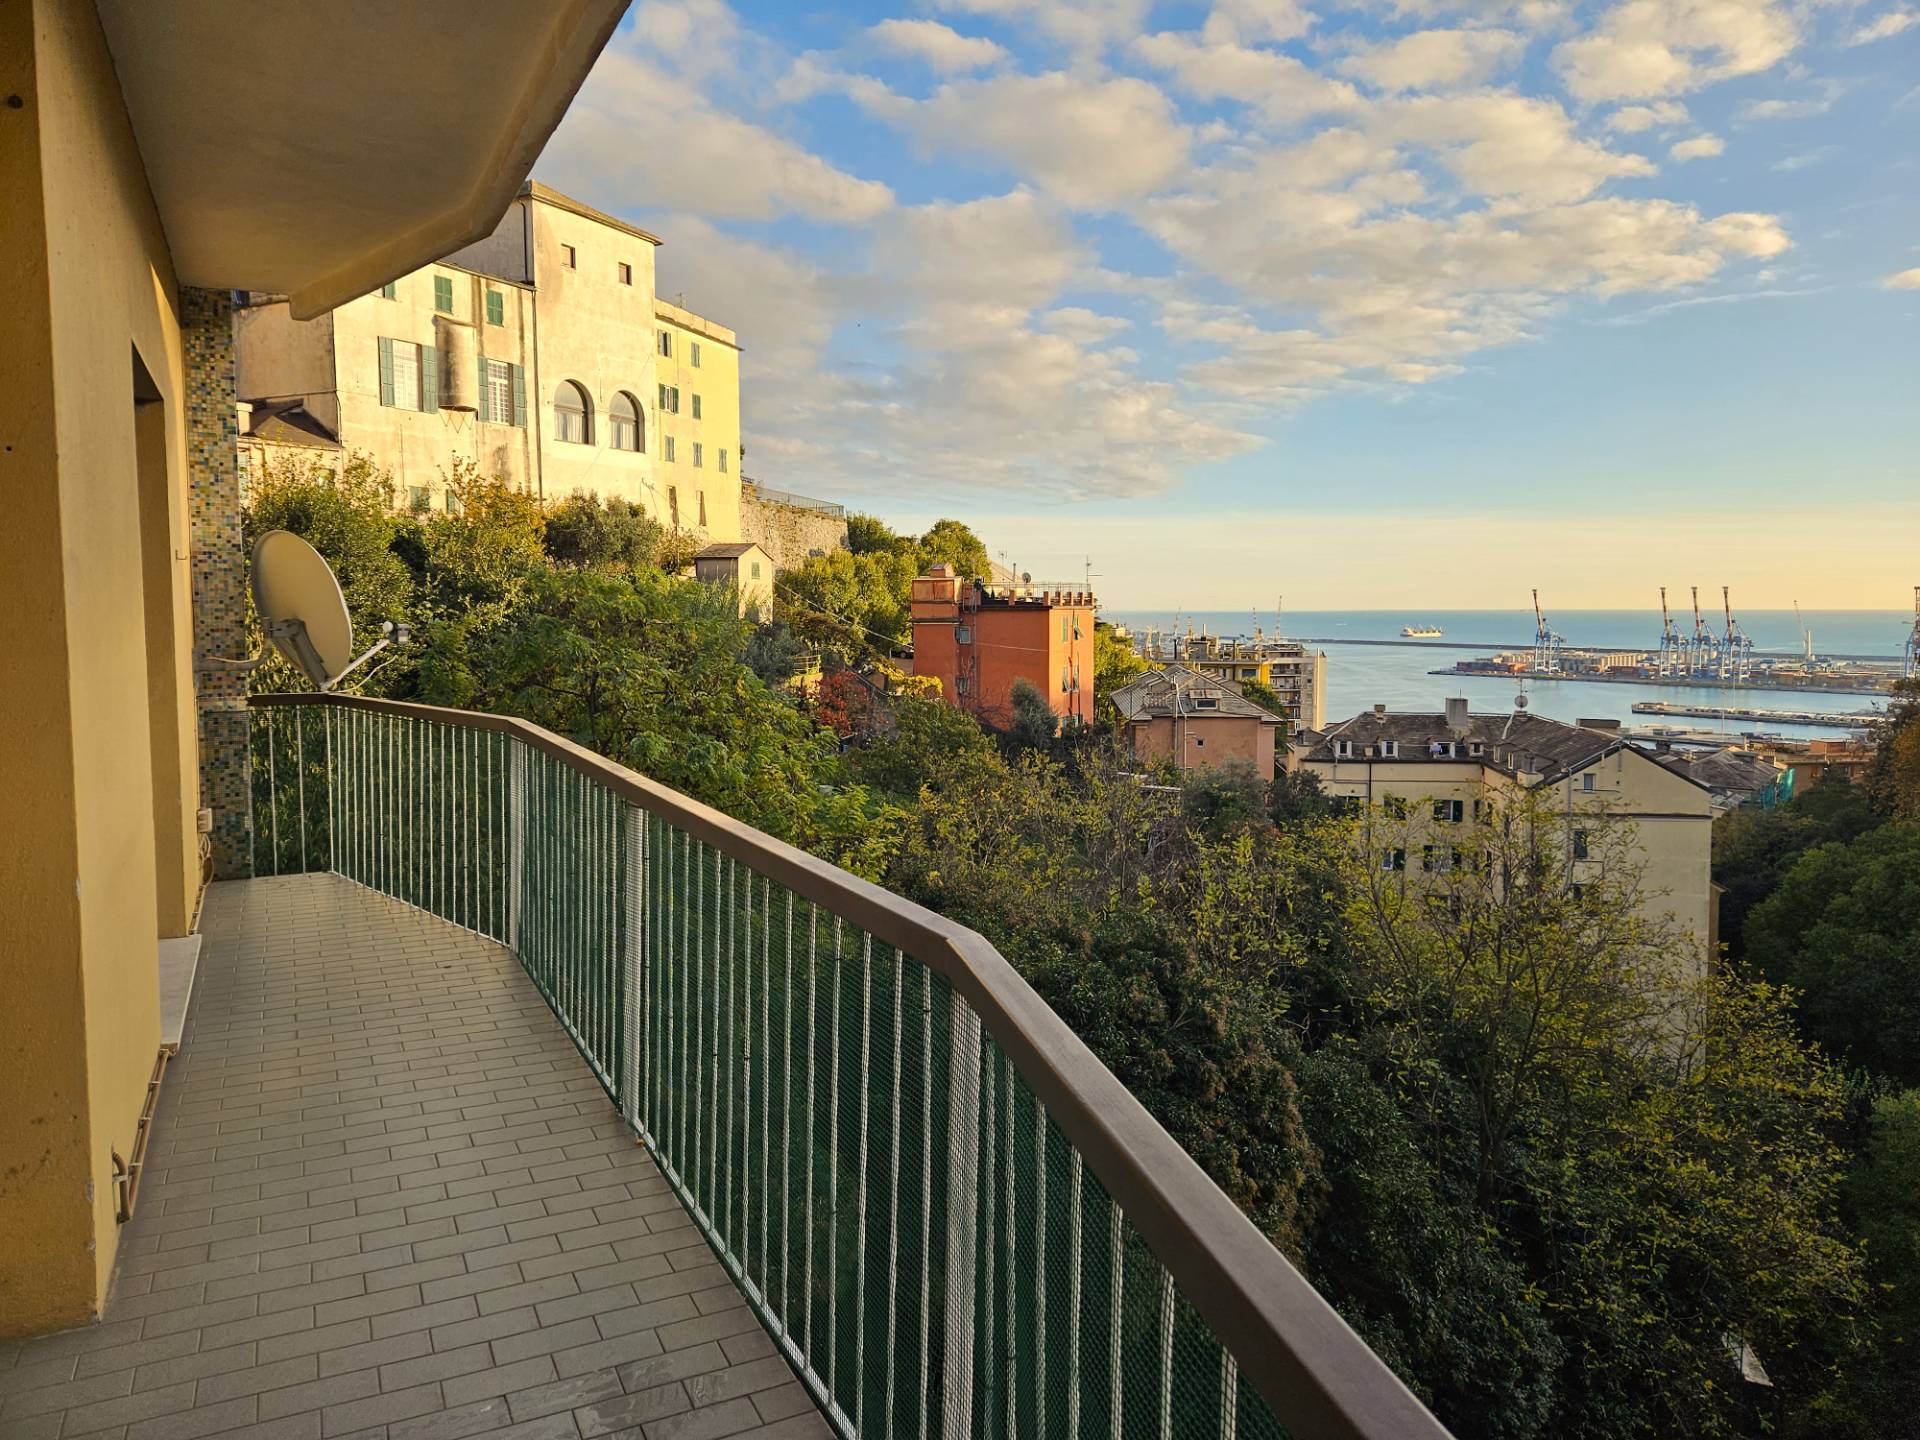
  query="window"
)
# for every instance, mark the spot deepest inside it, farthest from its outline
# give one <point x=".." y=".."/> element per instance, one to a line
<point x="502" y="393"/>
<point x="666" y="343"/>
<point x="1393" y="859"/>
<point x="1453" y="811"/>
<point x="443" y="294"/>
<point x="1207" y="702"/>
<point x="572" y="414"/>
<point x="496" y="308"/>
<point x="1440" y="858"/>
<point x="696" y="405"/>
<point x="670" y="399"/>
<point x="419" y="499"/>
<point x="703" y="509"/>
<point x="693" y="354"/>
<point x="1394" y="807"/>
<point x="450" y="502"/>
<point x="697" y="463"/>
<point x="721" y="457"/>
<point x="1343" y="749"/>
<point x="626" y="273"/>
<point x="409" y="375"/>
<point x="963" y="635"/>
<point x="626" y="425"/>
<point x="1580" y="845"/>
<point x="1390" y="749"/>
<point x="1064" y="686"/>
<point x="1586" y="781"/>
<point x="1474" y="747"/>
<point x="390" y="291"/>
<point x="666" y="447"/>
<point x="569" y="258"/>
<point x="1199" y="743"/>
<point x="673" y="493"/>
<point x="959" y="684"/>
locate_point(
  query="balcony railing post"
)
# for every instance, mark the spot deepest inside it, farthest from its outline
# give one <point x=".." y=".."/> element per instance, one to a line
<point x="634" y="979"/>
<point x="963" y="1146"/>
<point x="516" y="839"/>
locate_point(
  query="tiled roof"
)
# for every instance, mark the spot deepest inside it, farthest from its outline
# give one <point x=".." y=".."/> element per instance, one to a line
<point x="288" y="422"/>
<point x="1739" y="770"/>
<point x="726" y="551"/>
<point x="1155" y="694"/>
<point x="1512" y="740"/>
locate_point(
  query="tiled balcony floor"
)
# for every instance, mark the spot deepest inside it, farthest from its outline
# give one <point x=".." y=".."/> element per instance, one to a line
<point x="385" y="1198"/>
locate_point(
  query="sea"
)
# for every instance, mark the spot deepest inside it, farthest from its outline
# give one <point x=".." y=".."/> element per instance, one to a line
<point x="1360" y="676"/>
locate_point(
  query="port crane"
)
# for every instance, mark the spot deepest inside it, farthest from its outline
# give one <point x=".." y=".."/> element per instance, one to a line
<point x="1736" y="655"/>
<point x="1806" y="637"/>
<point x="1546" y="644"/>
<point x="1912" y="667"/>
<point x="1700" y="662"/>
<point x="1673" y="655"/>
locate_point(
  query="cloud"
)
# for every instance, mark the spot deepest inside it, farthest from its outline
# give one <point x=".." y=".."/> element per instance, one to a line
<point x="1435" y="59"/>
<point x="636" y="137"/>
<point x="1083" y="326"/>
<point x="1278" y="86"/>
<point x="1731" y="297"/>
<point x="1784" y="109"/>
<point x="1885" y="27"/>
<point x="1700" y="147"/>
<point x="1086" y="27"/>
<point x="1803" y="160"/>
<point x="1644" y="48"/>
<point x="938" y="46"/>
<point x="1632" y="119"/>
<point x="1905" y="280"/>
<point x="1499" y="143"/>
<point x="1094" y="143"/>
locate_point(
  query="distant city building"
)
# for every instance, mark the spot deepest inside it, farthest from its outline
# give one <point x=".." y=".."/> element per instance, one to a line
<point x="977" y="639"/>
<point x="746" y="567"/>
<point x="1446" y="765"/>
<point x="1197" y="720"/>
<point x="540" y="353"/>
<point x="1297" y="674"/>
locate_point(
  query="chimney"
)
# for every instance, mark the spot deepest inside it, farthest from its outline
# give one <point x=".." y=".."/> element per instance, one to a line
<point x="1457" y="714"/>
<point x="1379" y="709"/>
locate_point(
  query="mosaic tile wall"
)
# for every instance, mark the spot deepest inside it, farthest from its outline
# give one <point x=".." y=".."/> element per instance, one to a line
<point x="219" y="572"/>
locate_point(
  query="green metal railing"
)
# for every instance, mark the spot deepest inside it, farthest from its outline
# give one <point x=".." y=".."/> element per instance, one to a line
<point x="951" y="1218"/>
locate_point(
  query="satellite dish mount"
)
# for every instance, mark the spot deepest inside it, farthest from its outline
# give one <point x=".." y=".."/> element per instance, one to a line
<point x="304" y="614"/>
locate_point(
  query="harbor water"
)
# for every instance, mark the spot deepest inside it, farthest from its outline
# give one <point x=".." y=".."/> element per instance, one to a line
<point x="1398" y="676"/>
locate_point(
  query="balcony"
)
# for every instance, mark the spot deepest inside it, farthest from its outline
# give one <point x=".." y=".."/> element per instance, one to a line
<point x="878" y="1189"/>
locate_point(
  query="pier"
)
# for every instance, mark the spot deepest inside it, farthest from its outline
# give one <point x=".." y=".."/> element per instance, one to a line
<point x="1853" y="721"/>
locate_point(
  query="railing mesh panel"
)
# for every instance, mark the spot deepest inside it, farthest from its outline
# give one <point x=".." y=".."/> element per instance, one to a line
<point x="916" y="1233"/>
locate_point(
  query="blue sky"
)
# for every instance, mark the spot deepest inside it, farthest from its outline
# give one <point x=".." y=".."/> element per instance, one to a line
<point x="1376" y="302"/>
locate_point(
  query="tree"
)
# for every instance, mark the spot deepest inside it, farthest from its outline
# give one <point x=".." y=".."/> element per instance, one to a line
<point x="1893" y="779"/>
<point x="952" y="543"/>
<point x="1032" y="723"/>
<point x="1115" y="662"/>
<point x="1754" y="846"/>
<point x="929" y="742"/>
<point x="867" y="534"/>
<point x="617" y="534"/>
<point x="1843" y="929"/>
<point x="1297" y="795"/>
<point x="774" y="652"/>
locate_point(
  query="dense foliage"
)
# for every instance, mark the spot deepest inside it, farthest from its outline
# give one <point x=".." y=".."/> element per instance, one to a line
<point x="1555" y="1172"/>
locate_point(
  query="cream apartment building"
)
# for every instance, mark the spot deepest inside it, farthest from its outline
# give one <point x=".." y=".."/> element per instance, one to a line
<point x="541" y="353"/>
<point x="1446" y="766"/>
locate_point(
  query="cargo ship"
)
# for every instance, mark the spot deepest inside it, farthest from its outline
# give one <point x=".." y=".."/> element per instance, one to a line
<point x="1422" y="632"/>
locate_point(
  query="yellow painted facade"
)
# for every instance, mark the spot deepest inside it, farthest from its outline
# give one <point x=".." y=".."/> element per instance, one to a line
<point x="97" y="713"/>
<point x="698" y="365"/>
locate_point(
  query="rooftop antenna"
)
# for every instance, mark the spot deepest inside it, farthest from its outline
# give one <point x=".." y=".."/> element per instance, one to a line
<point x="304" y="614"/>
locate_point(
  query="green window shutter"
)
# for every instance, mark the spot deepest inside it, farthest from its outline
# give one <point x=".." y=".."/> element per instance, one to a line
<point x="443" y="293"/>
<point x="390" y="291"/>
<point x="386" y="371"/>
<point x="520" y="396"/>
<point x="429" y="378"/>
<point x="485" y="414"/>
<point x="663" y="397"/>
<point x="496" y="308"/>
<point x="696" y="407"/>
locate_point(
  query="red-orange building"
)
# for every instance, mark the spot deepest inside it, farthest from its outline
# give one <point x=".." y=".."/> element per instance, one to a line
<point x="977" y="639"/>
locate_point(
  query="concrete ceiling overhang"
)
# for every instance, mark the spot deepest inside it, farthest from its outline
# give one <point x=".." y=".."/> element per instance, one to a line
<point x="318" y="150"/>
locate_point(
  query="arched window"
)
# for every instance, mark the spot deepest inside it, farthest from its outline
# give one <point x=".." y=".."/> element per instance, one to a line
<point x="626" y="425"/>
<point x="572" y="414"/>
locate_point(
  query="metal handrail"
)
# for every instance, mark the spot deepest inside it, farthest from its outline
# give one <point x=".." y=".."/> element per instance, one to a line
<point x="1292" y="1347"/>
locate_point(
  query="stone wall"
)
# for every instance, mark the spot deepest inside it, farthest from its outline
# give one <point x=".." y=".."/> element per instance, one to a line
<point x="219" y="573"/>
<point x="789" y="533"/>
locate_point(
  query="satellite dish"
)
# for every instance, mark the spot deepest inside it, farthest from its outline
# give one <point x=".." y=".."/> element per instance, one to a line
<point x="304" y="614"/>
<point x="301" y="606"/>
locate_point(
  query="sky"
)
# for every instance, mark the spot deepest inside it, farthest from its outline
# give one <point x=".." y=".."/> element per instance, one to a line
<point x="1370" y="303"/>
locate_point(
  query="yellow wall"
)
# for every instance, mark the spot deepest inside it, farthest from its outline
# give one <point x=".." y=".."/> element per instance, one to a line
<point x="716" y="380"/>
<point x="87" y="283"/>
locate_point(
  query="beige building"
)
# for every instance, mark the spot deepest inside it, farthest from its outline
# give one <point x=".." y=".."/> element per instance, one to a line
<point x="149" y="172"/>
<point x="1297" y="674"/>
<point x="1196" y="719"/>
<point x="744" y="566"/>
<point x="1447" y="765"/>
<point x="541" y="354"/>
